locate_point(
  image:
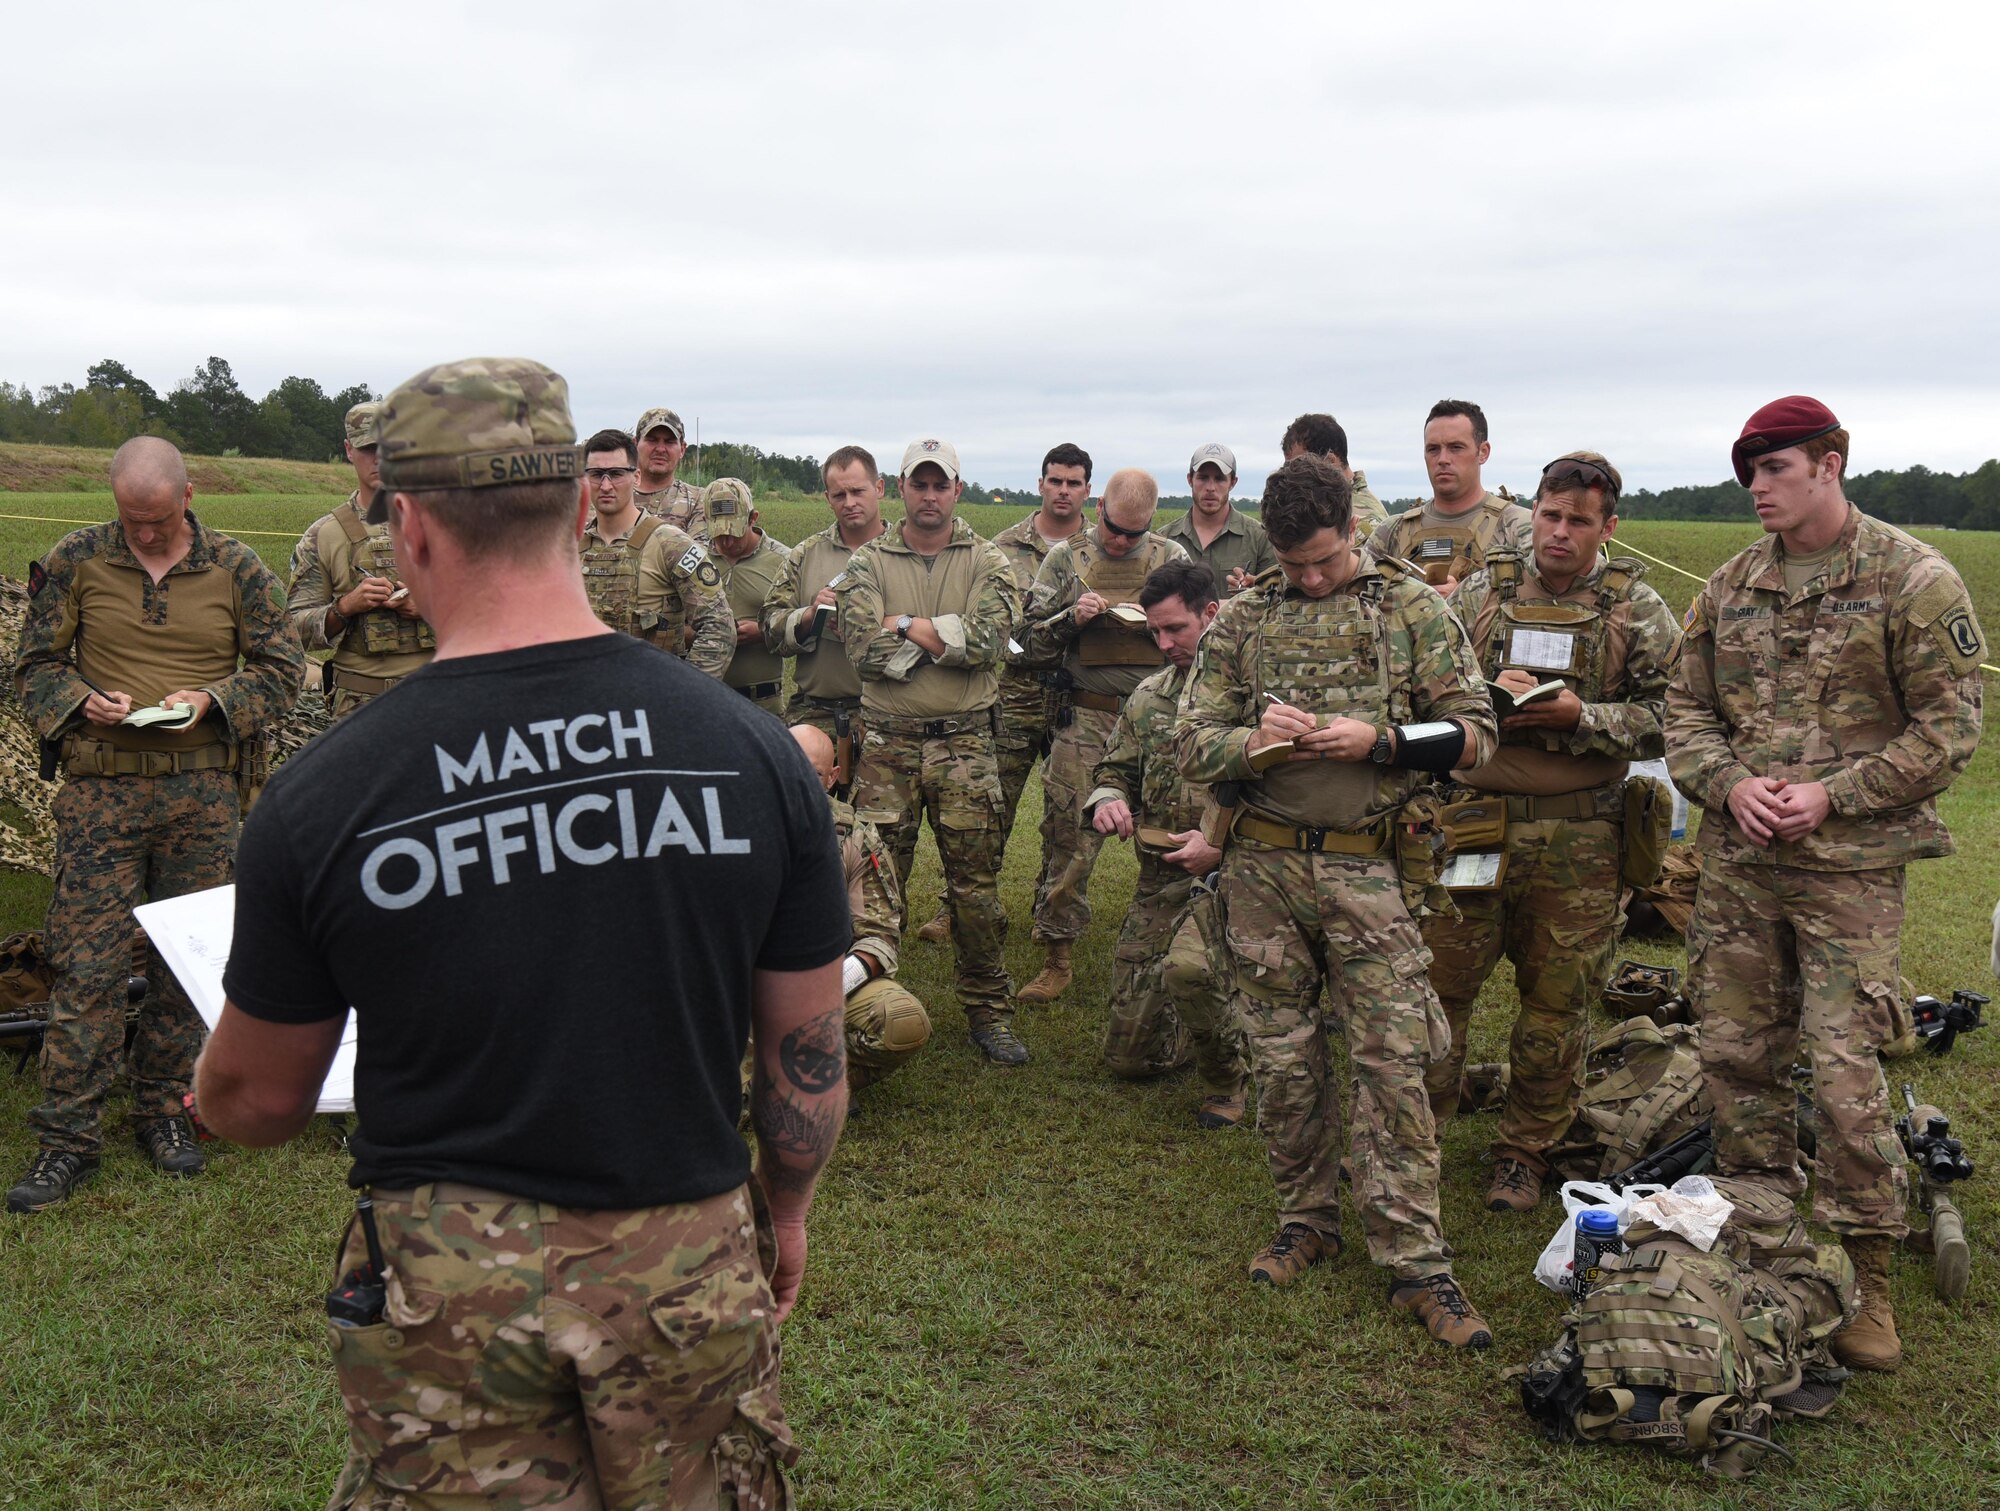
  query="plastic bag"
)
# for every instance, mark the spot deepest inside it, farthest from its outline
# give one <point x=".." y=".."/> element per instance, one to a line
<point x="1693" y="1208"/>
<point x="1553" y="1267"/>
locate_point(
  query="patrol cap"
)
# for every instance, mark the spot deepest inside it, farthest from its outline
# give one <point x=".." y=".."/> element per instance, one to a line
<point x="1790" y="421"/>
<point x="726" y="502"/>
<point x="1214" y="452"/>
<point x="653" y="419"/>
<point x="364" y="423"/>
<point x="476" y="423"/>
<point x="938" y="453"/>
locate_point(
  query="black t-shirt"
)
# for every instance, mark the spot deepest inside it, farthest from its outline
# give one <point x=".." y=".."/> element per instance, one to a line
<point x="542" y="878"/>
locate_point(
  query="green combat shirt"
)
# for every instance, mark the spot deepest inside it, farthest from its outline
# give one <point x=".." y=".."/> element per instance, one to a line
<point x="1866" y="680"/>
<point x="215" y="623"/>
<point x="749" y="583"/>
<point x="822" y="670"/>
<point x="966" y="591"/>
<point x="1242" y="546"/>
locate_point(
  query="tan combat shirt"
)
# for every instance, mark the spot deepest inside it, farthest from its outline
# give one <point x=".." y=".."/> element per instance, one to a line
<point x="822" y="669"/>
<point x="967" y="592"/>
<point x="748" y="583"/>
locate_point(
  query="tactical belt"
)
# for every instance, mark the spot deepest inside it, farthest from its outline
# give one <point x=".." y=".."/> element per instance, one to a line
<point x="980" y="723"/>
<point x="360" y="682"/>
<point x="1313" y="841"/>
<point x="1592" y="802"/>
<point x="758" y="690"/>
<point x="1102" y="703"/>
<point x="835" y="705"/>
<point x="85" y="757"/>
<point x="446" y="1191"/>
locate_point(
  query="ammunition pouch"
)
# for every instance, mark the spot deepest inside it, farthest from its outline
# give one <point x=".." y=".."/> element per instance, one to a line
<point x="1418" y="833"/>
<point x="1475" y="824"/>
<point x="1648" y="830"/>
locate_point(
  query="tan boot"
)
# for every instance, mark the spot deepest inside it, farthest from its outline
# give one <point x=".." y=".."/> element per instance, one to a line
<point x="1442" y="1308"/>
<point x="1055" y="976"/>
<point x="938" y="930"/>
<point x="1516" y="1187"/>
<point x="1296" y="1249"/>
<point x="1870" y="1341"/>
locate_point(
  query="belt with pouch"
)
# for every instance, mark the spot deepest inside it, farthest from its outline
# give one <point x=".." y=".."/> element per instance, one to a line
<point x="360" y="682"/>
<point x="1102" y="703"/>
<point x="982" y="722"/>
<point x="759" y="690"/>
<point x="1373" y="841"/>
<point x="86" y="757"/>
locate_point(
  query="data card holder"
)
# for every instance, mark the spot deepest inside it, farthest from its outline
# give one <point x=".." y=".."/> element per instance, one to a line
<point x="1541" y="638"/>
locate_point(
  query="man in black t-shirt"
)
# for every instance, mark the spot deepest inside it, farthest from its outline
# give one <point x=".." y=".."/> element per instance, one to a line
<point x="569" y="1223"/>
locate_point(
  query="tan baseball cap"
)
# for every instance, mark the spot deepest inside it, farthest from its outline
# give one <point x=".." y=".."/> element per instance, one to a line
<point x="652" y="419"/>
<point x="477" y="423"/>
<point x="939" y="453"/>
<point x="1214" y="452"/>
<point x="364" y="424"/>
<point x="726" y="502"/>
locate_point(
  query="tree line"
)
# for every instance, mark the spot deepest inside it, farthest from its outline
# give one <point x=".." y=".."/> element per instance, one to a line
<point x="208" y="414"/>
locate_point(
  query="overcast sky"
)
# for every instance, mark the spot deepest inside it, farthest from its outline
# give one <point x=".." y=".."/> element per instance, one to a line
<point x="1137" y="227"/>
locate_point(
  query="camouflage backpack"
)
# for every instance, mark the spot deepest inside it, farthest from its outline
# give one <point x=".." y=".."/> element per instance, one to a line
<point x="1642" y="1088"/>
<point x="1701" y="1353"/>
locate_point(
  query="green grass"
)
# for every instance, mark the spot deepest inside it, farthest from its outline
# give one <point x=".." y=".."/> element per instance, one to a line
<point x="1026" y="1288"/>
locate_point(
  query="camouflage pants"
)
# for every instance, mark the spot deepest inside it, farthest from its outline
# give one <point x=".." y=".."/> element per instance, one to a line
<point x="1781" y="959"/>
<point x="886" y="1024"/>
<point x="955" y="782"/>
<point x="1555" y="914"/>
<point x="773" y="705"/>
<point x="1295" y="921"/>
<point x="535" y="1355"/>
<point x="1069" y="844"/>
<point x="1169" y="1005"/>
<point x="121" y="841"/>
<point x="1024" y="725"/>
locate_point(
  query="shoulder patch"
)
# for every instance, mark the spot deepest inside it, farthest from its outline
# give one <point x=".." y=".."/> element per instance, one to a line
<point x="707" y="573"/>
<point x="38" y="578"/>
<point x="1692" y="622"/>
<point x="1958" y="637"/>
<point x="1935" y="600"/>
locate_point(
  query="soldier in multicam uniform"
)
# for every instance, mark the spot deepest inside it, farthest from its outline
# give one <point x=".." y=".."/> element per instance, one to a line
<point x="662" y="442"/>
<point x="345" y="595"/>
<point x="799" y="615"/>
<point x="751" y="562"/>
<point x="1226" y="540"/>
<point x="646" y="578"/>
<point x="1566" y="615"/>
<point x="153" y="608"/>
<point x="885" y="1022"/>
<point x="1323" y="435"/>
<point x="1447" y="539"/>
<point x="1369" y="676"/>
<point x="1828" y="690"/>
<point x="924" y="610"/>
<point x="1173" y="1002"/>
<point x="1071" y="618"/>
<point x="1027" y="693"/>
<point x="582" y="1273"/>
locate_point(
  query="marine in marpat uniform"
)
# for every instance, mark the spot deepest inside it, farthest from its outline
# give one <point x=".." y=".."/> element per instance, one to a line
<point x="644" y="577"/>
<point x="1447" y="538"/>
<point x="1028" y="692"/>
<point x="1322" y="435"/>
<point x="1170" y="979"/>
<point x="800" y="615"/>
<point x="1225" y="539"/>
<point x="1078" y="616"/>
<point x="662" y="442"/>
<point x="924" y="610"/>
<point x="153" y="611"/>
<point x="1828" y="690"/>
<point x="885" y="1023"/>
<point x="1368" y="676"/>
<point x="345" y="595"/>
<point x="751" y="563"/>
<point x="1542" y="885"/>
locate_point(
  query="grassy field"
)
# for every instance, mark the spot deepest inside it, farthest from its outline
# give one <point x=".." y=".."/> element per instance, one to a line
<point x="1026" y="1288"/>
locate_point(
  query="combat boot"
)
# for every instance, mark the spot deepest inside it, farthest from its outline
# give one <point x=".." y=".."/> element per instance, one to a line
<point x="1296" y="1249"/>
<point x="1516" y="1187"/>
<point x="995" y="1039"/>
<point x="1442" y="1308"/>
<point x="1221" y="1109"/>
<point x="169" y="1143"/>
<point x="938" y="930"/>
<point x="53" y="1177"/>
<point x="1055" y="976"/>
<point x="1870" y="1341"/>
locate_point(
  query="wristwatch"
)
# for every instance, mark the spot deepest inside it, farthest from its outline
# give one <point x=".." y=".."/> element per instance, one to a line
<point x="1385" y="746"/>
<point x="903" y="627"/>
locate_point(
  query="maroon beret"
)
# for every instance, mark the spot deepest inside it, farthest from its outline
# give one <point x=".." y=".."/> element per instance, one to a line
<point x="1790" y="421"/>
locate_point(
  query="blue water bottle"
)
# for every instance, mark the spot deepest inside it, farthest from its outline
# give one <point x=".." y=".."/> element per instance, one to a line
<point x="1596" y="1236"/>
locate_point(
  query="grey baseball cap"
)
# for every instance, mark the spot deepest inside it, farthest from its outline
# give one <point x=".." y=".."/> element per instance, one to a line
<point x="1214" y="452"/>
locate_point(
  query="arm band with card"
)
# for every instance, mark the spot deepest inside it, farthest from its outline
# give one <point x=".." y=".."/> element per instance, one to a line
<point x="1429" y="747"/>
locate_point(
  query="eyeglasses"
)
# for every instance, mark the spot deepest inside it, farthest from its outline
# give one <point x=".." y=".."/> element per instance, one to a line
<point x="598" y="474"/>
<point x="1104" y="523"/>
<point x="1569" y="469"/>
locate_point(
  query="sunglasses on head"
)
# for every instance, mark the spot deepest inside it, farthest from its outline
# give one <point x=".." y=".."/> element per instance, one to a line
<point x="1571" y="469"/>
<point x="1104" y="523"/>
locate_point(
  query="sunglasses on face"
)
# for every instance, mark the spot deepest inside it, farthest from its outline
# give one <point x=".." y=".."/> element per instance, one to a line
<point x="1104" y="523"/>
<point x="598" y="474"/>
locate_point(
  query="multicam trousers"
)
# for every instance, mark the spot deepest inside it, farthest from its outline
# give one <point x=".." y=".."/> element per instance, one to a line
<point x="120" y="841"/>
<point x="1169" y="1005"/>
<point x="1069" y="844"/>
<point x="885" y="1025"/>
<point x="1024" y="725"/>
<point x="955" y="782"/>
<point x="1555" y="914"/>
<point x="536" y="1355"/>
<point x="1295" y="921"/>
<point x="1781" y="959"/>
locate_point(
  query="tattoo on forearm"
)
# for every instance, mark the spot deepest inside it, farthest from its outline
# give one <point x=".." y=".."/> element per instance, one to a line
<point x="799" y="1137"/>
<point x="814" y="1055"/>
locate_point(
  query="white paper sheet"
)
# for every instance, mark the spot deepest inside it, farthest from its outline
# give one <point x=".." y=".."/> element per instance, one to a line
<point x="1544" y="650"/>
<point x="192" y="932"/>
